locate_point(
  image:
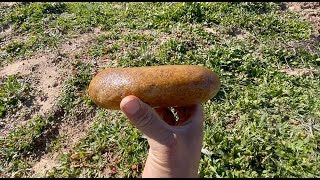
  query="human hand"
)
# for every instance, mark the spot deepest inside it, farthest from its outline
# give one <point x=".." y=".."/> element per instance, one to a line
<point x="175" y="146"/>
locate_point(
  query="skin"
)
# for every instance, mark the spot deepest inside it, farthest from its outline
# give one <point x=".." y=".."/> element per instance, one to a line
<point x="175" y="146"/>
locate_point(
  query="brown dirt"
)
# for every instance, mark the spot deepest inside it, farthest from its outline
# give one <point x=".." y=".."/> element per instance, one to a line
<point x="162" y="37"/>
<point x="46" y="73"/>
<point x="73" y="134"/>
<point x="232" y="121"/>
<point x="300" y="72"/>
<point x="6" y="32"/>
<point x="73" y="131"/>
<point x="46" y="163"/>
<point x="46" y="77"/>
<point x="8" y="3"/>
<point x="309" y="11"/>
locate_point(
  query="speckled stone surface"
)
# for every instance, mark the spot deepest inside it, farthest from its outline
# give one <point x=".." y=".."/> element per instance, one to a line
<point x="158" y="86"/>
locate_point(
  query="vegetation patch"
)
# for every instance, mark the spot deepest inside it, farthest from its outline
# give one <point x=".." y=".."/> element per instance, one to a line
<point x="264" y="121"/>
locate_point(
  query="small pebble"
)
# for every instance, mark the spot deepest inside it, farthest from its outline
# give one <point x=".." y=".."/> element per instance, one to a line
<point x="55" y="84"/>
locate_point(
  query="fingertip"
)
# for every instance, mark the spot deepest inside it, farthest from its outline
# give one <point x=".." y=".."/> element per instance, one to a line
<point x="145" y="118"/>
<point x="130" y="104"/>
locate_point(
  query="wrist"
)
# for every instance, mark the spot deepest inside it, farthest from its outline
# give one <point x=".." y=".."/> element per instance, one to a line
<point x="168" y="167"/>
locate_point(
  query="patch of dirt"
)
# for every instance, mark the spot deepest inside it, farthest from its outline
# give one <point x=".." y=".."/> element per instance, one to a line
<point x="232" y="121"/>
<point x="117" y="6"/>
<point x="162" y="37"/>
<point x="46" y="163"/>
<point x="47" y="72"/>
<point x="235" y="32"/>
<point x="74" y="46"/>
<point x="310" y="44"/>
<point x="238" y="33"/>
<point x="73" y="133"/>
<point x="300" y="72"/>
<point x="210" y="30"/>
<point x="309" y="11"/>
<point x="8" y="3"/>
<point x="76" y="131"/>
<point x="7" y="31"/>
<point x="45" y="75"/>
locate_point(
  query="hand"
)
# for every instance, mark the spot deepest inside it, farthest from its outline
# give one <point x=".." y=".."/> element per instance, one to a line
<point x="175" y="146"/>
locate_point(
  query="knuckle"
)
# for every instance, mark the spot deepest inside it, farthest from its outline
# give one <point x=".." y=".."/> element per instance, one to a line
<point x="145" y="119"/>
<point x="170" y="141"/>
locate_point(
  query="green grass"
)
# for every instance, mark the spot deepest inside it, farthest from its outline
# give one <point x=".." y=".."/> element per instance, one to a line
<point x="262" y="123"/>
<point x="20" y="144"/>
<point x="76" y="85"/>
<point x="13" y="92"/>
<point x="105" y="148"/>
<point x="46" y="24"/>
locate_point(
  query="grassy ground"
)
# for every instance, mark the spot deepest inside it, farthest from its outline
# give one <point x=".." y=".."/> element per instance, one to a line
<point x="264" y="122"/>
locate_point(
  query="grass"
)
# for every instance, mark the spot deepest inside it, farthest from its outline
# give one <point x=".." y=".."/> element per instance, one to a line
<point x="262" y="123"/>
<point x="13" y="92"/>
<point x="20" y="144"/>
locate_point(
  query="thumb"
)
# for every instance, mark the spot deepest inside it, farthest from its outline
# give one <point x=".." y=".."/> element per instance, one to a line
<point x="146" y="119"/>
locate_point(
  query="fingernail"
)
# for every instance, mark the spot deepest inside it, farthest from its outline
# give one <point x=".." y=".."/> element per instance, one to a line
<point x="132" y="107"/>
